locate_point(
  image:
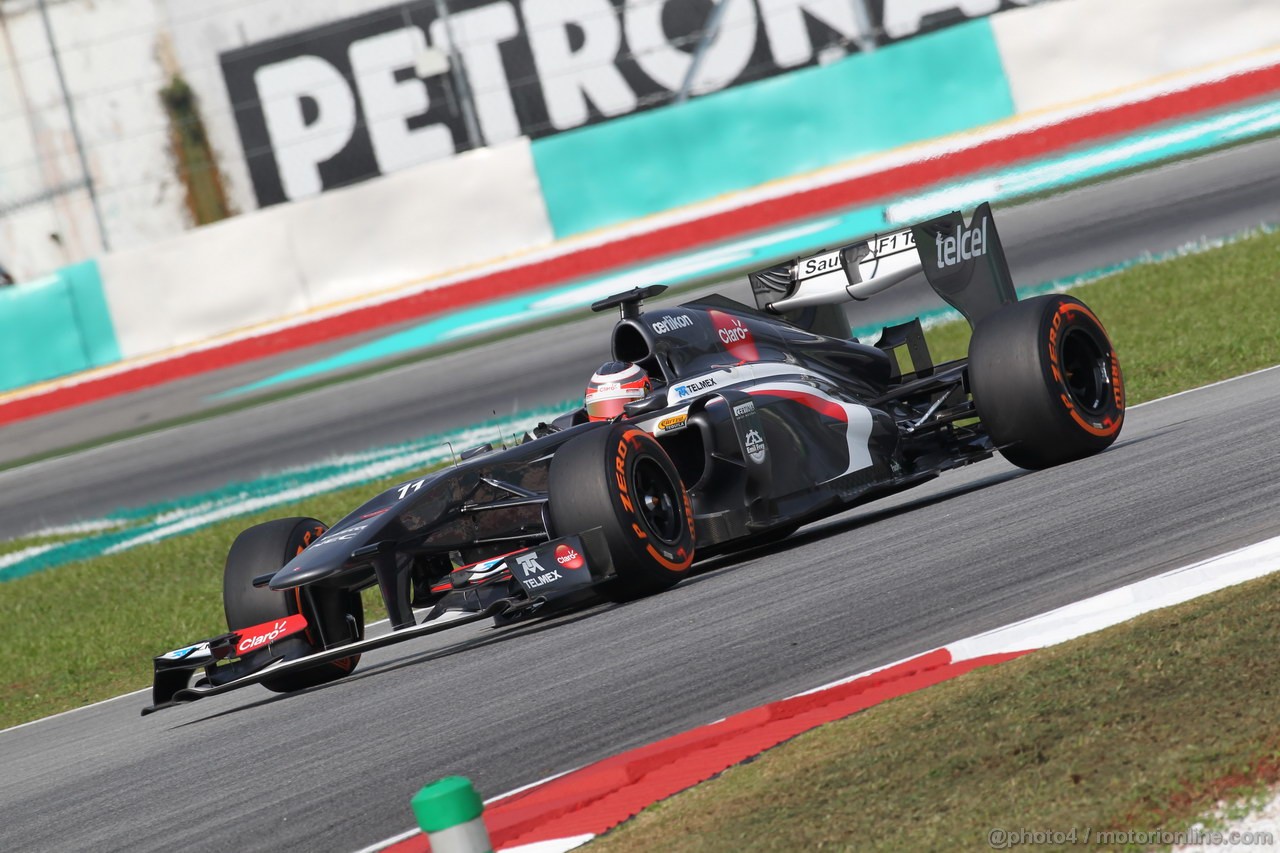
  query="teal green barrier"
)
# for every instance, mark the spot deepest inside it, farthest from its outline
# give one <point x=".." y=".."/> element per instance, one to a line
<point x="933" y="85"/>
<point x="55" y="326"/>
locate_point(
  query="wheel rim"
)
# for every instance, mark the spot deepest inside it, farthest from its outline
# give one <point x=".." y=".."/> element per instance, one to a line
<point x="658" y="504"/>
<point x="1084" y="369"/>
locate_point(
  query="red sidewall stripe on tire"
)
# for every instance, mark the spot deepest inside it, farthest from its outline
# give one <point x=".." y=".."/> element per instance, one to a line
<point x="636" y="439"/>
<point x="1114" y="374"/>
<point x="1019" y="146"/>
<point x="600" y="796"/>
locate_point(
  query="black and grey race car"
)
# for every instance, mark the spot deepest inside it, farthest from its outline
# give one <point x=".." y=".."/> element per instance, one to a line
<point x="761" y="419"/>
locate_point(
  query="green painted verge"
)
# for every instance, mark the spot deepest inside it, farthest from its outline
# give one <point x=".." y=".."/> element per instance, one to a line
<point x="934" y="85"/>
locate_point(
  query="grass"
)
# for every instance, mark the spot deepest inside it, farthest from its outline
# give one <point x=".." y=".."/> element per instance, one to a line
<point x="22" y="543"/>
<point x="1182" y="322"/>
<point x="88" y="630"/>
<point x="1147" y="725"/>
<point x="1143" y="726"/>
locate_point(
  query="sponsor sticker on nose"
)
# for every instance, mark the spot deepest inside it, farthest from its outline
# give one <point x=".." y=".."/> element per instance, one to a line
<point x="260" y="636"/>
<point x="568" y="557"/>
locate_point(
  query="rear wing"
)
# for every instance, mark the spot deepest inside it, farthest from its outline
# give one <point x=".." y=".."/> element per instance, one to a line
<point x="965" y="265"/>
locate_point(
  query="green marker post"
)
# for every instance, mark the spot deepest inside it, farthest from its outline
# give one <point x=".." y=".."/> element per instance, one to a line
<point x="450" y="813"/>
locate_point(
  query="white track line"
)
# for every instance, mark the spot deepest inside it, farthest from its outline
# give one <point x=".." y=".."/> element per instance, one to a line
<point x="74" y="710"/>
<point x="1047" y="629"/>
<point x="1138" y="406"/>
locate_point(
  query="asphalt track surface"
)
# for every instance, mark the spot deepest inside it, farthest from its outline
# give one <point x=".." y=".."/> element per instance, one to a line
<point x="334" y="768"/>
<point x="1155" y="211"/>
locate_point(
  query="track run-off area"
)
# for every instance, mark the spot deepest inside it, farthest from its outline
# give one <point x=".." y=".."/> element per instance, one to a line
<point x="1191" y="477"/>
<point x="334" y="768"/>
<point x="341" y="426"/>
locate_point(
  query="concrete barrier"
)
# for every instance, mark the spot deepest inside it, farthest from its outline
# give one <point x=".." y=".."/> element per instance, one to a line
<point x="55" y="326"/>
<point x="1071" y="51"/>
<point x="1029" y="60"/>
<point x="404" y="234"/>
<point x="346" y="245"/>
<point x="227" y="276"/>
<point x="927" y="87"/>
<point x="434" y="219"/>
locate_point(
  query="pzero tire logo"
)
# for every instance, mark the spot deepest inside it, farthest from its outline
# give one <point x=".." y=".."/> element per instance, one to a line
<point x="568" y="557"/>
<point x="675" y="559"/>
<point x="756" y="448"/>
<point x="1110" y="422"/>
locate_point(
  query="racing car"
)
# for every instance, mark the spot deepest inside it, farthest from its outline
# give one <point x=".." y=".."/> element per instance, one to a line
<point x="730" y="426"/>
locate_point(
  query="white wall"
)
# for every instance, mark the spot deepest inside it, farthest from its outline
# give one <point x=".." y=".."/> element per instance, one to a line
<point x="166" y="288"/>
<point x="116" y="57"/>
<point x="231" y="275"/>
<point x="1072" y="50"/>
<point x="436" y="217"/>
<point x="119" y="54"/>
<point x="221" y="25"/>
<point x="347" y="244"/>
<point x="119" y="116"/>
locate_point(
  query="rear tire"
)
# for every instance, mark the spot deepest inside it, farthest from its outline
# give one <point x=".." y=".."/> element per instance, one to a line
<point x="1046" y="381"/>
<point x="265" y="548"/>
<point x="619" y="478"/>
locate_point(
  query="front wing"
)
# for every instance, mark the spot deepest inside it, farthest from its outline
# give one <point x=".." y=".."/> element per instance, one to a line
<point x="521" y="583"/>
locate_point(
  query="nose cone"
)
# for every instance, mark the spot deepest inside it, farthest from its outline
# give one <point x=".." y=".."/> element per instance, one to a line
<point x="331" y="553"/>
<point x="298" y="571"/>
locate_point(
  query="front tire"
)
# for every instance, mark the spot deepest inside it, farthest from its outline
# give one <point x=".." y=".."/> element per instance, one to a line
<point x="265" y="548"/>
<point x="1046" y="381"/>
<point x="618" y="478"/>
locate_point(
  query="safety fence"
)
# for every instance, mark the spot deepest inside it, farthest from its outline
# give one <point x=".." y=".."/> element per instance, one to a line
<point x="431" y="223"/>
<point x="132" y="121"/>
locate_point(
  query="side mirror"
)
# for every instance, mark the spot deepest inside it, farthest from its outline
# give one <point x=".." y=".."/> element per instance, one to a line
<point x="652" y="403"/>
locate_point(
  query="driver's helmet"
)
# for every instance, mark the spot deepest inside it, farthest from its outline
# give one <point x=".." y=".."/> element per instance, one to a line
<point x="612" y="386"/>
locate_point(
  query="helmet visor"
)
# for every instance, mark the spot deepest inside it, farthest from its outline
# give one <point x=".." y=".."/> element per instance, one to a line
<point x="601" y="408"/>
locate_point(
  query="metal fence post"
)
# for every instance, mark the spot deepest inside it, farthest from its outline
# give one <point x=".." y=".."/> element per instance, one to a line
<point x="709" y="31"/>
<point x="866" y="41"/>
<point x="460" y="81"/>
<point x="75" y="128"/>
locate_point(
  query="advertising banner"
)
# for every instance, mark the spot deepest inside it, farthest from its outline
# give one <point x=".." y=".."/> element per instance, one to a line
<point x="343" y="102"/>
